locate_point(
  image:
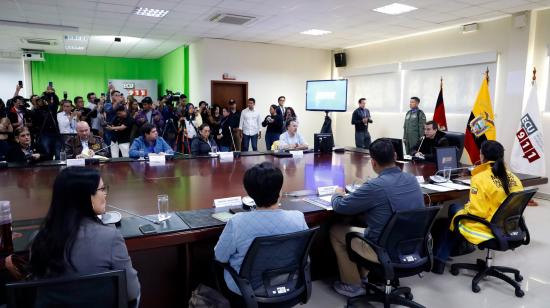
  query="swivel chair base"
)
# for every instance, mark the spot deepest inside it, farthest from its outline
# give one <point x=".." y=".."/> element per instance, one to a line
<point x="389" y="296"/>
<point x="484" y="269"/>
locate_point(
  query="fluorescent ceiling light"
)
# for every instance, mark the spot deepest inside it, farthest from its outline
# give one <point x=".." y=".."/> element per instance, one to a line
<point x="395" y="9"/>
<point x="34" y="25"/>
<point x="77" y="38"/>
<point x="315" y="32"/>
<point x="143" y="11"/>
<point x="73" y="47"/>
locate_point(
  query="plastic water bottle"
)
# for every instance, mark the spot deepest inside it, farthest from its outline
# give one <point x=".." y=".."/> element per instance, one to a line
<point x="6" y="241"/>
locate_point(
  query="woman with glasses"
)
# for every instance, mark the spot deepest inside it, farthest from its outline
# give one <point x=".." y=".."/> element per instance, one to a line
<point x="73" y="240"/>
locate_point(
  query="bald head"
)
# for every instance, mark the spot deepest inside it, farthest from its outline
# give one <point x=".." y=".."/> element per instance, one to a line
<point x="83" y="130"/>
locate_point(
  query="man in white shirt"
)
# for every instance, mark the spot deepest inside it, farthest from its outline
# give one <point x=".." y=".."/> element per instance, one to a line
<point x="67" y="119"/>
<point x="250" y="125"/>
<point x="291" y="139"/>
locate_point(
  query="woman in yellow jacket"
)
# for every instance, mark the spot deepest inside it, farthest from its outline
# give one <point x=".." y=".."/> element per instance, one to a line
<point x="491" y="183"/>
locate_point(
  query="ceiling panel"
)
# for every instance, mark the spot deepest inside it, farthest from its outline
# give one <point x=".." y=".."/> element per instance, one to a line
<point x="277" y="21"/>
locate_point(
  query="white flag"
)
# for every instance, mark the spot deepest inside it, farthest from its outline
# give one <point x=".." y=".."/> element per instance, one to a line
<point x="528" y="149"/>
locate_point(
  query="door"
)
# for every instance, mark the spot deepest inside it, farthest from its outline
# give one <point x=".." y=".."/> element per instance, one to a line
<point x="223" y="91"/>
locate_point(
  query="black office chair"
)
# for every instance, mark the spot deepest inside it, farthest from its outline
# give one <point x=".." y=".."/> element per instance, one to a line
<point x="106" y="289"/>
<point x="402" y="251"/>
<point x="456" y="139"/>
<point x="275" y="271"/>
<point x="510" y="232"/>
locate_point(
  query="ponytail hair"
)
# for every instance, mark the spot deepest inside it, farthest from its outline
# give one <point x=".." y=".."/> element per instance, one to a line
<point x="494" y="151"/>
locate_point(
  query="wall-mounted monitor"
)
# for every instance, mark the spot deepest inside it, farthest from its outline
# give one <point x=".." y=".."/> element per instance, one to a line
<point x="327" y="95"/>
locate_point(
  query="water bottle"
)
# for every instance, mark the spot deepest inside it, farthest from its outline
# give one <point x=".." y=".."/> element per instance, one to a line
<point x="6" y="241"/>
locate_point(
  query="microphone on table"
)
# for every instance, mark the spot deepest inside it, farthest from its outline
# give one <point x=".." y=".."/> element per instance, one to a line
<point x="421" y="141"/>
<point x="134" y="214"/>
<point x="437" y="178"/>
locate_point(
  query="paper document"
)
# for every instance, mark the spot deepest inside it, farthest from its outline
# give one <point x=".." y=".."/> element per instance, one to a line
<point x="436" y="187"/>
<point x="322" y="202"/>
<point x="454" y="186"/>
<point x="464" y="181"/>
<point x="222" y="216"/>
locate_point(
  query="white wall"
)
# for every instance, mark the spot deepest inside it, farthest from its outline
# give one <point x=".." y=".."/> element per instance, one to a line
<point x="11" y="71"/>
<point x="500" y="35"/>
<point x="270" y="70"/>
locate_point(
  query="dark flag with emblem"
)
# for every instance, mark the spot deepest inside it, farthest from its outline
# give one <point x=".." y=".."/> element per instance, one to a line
<point x="481" y="124"/>
<point x="439" y="113"/>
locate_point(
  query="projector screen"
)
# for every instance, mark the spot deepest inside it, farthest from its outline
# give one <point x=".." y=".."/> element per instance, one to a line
<point x="327" y="95"/>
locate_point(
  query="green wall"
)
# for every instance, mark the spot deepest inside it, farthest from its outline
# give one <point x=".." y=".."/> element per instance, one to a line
<point x="172" y="71"/>
<point x="79" y="75"/>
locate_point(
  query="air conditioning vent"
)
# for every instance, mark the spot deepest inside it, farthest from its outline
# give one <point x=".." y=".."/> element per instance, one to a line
<point x="39" y="41"/>
<point x="232" y="19"/>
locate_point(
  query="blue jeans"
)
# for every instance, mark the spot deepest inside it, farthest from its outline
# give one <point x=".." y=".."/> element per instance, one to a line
<point x="270" y="138"/>
<point x="250" y="139"/>
<point x="225" y="149"/>
<point x="51" y="144"/>
<point x="362" y="139"/>
<point x="449" y="239"/>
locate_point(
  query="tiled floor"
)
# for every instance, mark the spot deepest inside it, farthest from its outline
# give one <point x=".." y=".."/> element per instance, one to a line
<point x="449" y="291"/>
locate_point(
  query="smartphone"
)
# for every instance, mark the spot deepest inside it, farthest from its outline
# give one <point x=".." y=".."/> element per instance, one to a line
<point x="64" y="95"/>
<point x="50" y="84"/>
<point x="147" y="229"/>
<point x="20" y="83"/>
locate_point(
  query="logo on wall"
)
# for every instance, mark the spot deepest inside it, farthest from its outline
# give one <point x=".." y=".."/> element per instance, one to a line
<point x="138" y="92"/>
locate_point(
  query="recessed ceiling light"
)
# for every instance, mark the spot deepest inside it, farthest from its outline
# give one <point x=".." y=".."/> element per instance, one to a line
<point x="395" y="9"/>
<point x="315" y="32"/>
<point x="73" y="47"/>
<point x="143" y="11"/>
<point x="78" y="38"/>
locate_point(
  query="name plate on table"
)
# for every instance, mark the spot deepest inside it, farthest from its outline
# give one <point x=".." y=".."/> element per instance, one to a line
<point x="231" y="201"/>
<point x="76" y="162"/>
<point x="226" y="156"/>
<point x="157" y="159"/>
<point x="326" y="190"/>
<point x="297" y="153"/>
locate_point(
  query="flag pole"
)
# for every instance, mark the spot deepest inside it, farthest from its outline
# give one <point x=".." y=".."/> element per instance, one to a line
<point x="487" y="74"/>
<point x="441" y="83"/>
<point x="534" y="76"/>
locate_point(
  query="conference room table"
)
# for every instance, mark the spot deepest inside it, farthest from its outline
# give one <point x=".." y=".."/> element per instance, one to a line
<point x="179" y="255"/>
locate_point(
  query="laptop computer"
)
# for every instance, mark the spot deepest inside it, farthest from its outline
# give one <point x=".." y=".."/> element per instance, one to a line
<point x="446" y="158"/>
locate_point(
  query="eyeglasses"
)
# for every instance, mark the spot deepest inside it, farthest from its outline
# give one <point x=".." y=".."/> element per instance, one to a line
<point x="104" y="189"/>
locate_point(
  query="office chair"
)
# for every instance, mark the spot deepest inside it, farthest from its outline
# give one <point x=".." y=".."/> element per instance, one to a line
<point x="275" y="270"/>
<point x="456" y="139"/>
<point x="106" y="289"/>
<point x="402" y="251"/>
<point x="510" y="232"/>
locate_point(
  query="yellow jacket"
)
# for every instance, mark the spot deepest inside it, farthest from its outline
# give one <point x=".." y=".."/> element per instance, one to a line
<point x="486" y="195"/>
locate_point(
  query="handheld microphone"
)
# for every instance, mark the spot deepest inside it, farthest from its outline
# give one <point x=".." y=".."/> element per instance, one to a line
<point x="134" y="214"/>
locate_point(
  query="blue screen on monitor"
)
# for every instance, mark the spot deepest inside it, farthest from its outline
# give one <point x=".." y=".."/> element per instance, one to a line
<point x="326" y="95"/>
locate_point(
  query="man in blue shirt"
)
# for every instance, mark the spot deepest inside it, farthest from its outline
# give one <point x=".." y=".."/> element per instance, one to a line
<point x="361" y="119"/>
<point x="375" y="202"/>
<point x="149" y="142"/>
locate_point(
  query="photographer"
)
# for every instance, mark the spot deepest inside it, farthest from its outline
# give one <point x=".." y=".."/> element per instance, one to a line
<point x="19" y="115"/>
<point x="82" y="113"/>
<point x="45" y="125"/>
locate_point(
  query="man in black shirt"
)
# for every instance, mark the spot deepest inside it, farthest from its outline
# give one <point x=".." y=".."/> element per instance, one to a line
<point x="233" y="120"/>
<point x="361" y="119"/>
<point x="121" y="129"/>
<point x="433" y="138"/>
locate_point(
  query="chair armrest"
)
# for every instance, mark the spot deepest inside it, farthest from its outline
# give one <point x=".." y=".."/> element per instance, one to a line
<point x="499" y="236"/>
<point x="383" y="257"/>
<point x="244" y="285"/>
<point x="524" y="227"/>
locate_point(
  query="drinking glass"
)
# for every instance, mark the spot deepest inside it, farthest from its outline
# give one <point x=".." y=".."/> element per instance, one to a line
<point x="214" y="149"/>
<point x="163" y="207"/>
<point x="447" y="173"/>
<point x="63" y="156"/>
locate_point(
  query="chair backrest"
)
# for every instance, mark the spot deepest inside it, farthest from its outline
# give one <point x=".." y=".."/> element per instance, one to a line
<point x="106" y="289"/>
<point x="275" y="265"/>
<point x="456" y="139"/>
<point x="405" y="237"/>
<point x="508" y="218"/>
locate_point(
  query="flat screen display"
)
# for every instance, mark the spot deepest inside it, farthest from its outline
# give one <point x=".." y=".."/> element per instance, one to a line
<point x="327" y="95"/>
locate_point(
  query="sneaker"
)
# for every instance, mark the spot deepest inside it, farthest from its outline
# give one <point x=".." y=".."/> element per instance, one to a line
<point x="348" y="290"/>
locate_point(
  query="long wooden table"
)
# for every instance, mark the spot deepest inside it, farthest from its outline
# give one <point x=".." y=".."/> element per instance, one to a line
<point x="173" y="262"/>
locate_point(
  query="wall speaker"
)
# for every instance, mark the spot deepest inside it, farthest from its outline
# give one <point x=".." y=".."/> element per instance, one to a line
<point x="340" y="59"/>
